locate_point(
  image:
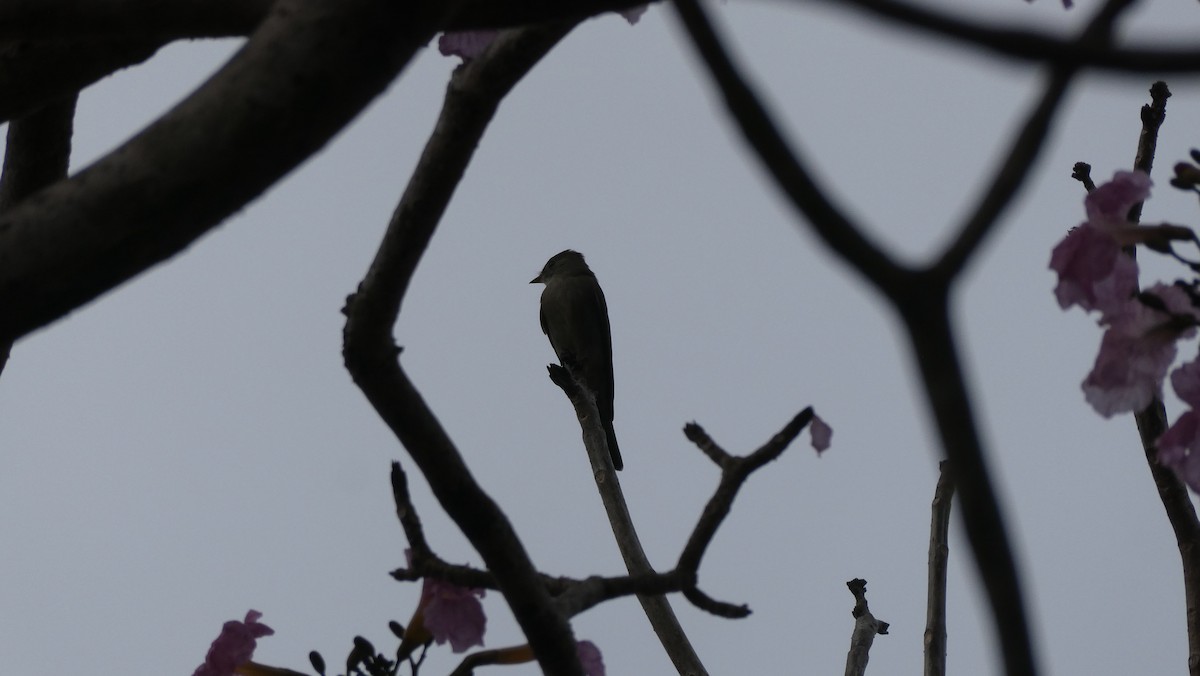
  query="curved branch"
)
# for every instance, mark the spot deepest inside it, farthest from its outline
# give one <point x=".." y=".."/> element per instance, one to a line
<point x="791" y="176"/>
<point x="1028" y="45"/>
<point x="309" y="70"/>
<point x="474" y="93"/>
<point x="1024" y="149"/>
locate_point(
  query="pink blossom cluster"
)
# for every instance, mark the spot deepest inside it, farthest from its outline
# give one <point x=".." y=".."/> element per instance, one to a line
<point x="234" y="647"/>
<point x="1141" y="329"/>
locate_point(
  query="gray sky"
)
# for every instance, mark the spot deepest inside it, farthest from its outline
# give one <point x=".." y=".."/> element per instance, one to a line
<point x="189" y="446"/>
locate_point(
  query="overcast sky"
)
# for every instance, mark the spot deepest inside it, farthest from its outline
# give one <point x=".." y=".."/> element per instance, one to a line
<point x="190" y="446"/>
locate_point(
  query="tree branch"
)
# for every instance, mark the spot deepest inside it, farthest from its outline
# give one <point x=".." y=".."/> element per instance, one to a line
<point x="1024" y="149"/>
<point x="37" y="153"/>
<point x="35" y="74"/>
<point x="190" y="19"/>
<point x="1027" y="45"/>
<point x="1152" y="422"/>
<point x="760" y="132"/>
<point x="939" y="556"/>
<point x="309" y="70"/>
<point x="474" y="93"/>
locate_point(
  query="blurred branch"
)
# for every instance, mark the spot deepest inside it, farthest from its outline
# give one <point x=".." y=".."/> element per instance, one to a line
<point x="1024" y="149"/>
<point x="921" y="298"/>
<point x="37" y="153"/>
<point x="865" y="629"/>
<point x="658" y="610"/>
<point x="314" y="64"/>
<point x="939" y="556"/>
<point x="472" y="98"/>
<point x="784" y="165"/>
<point x="1028" y="45"/>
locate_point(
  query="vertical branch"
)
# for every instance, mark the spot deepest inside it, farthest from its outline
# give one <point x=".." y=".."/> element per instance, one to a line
<point x="37" y="154"/>
<point x="866" y="626"/>
<point x="927" y="319"/>
<point x="939" y="555"/>
<point x="1152" y="421"/>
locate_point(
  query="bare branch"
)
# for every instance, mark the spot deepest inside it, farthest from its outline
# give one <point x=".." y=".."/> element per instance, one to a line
<point x="189" y="19"/>
<point x="865" y="629"/>
<point x="35" y="74"/>
<point x="658" y="610"/>
<point x="781" y="162"/>
<point x="1024" y="149"/>
<point x="309" y="70"/>
<point x="37" y="154"/>
<point x="1028" y="45"/>
<point x="939" y="556"/>
<point x="474" y="94"/>
<point x="734" y="473"/>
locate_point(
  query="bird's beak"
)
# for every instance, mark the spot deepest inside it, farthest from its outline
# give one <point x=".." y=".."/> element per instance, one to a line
<point x="536" y="280"/>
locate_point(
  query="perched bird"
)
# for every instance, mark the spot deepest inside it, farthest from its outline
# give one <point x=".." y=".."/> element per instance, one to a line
<point x="575" y="318"/>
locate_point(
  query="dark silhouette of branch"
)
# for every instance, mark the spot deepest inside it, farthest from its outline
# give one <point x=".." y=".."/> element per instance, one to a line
<point x="734" y="473"/>
<point x="189" y="19"/>
<point x="1024" y="149"/>
<point x="658" y="610"/>
<point x="36" y="74"/>
<point x="921" y="297"/>
<point x="1028" y="45"/>
<point x="310" y="68"/>
<point x="787" y="168"/>
<point x="472" y="98"/>
<point x="865" y="629"/>
<point x="939" y="556"/>
<point x="572" y="596"/>
<point x="37" y="154"/>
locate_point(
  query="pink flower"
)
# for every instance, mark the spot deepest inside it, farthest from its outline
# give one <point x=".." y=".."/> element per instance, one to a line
<point x="1093" y="272"/>
<point x="1179" y="446"/>
<point x="467" y="44"/>
<point x="234" y="647"/>
<point x="1108" y="205"/>
<point x="589" y="654"/>
<point x="1137" y="350"/>
<point x="821" y="433"/>
<point x="453" y="613"/>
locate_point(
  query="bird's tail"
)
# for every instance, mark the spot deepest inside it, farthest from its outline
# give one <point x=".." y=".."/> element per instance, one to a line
<point x="613" y="450"/>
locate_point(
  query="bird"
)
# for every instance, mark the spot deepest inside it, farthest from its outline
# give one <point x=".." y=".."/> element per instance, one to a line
<point x="574" y="317"/>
